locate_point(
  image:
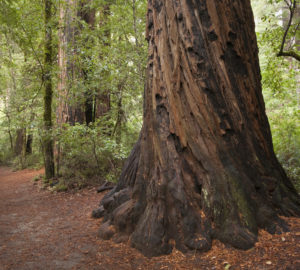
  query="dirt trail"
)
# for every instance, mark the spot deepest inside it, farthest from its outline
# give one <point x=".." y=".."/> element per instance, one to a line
<point x="43" y="230"/>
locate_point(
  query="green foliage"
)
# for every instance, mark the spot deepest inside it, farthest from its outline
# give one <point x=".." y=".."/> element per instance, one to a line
<point x="20" y="79"/>
<point x="117" y="68"/>
<point x="114" y="57"/>
<point x="113" y="54"/>
<point x="36" y="178"/>
<point x="61" y="186"/>
<point x="34" y="161"/>
<point x="89" y="156"/>
<point x="280" y="79"/>
<point x="6" y="155"/>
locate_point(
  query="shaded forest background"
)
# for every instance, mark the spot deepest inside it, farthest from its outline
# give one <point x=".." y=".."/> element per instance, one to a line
<point x="98" y="61"/>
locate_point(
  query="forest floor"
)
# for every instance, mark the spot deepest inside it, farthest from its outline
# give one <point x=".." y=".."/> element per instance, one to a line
<point x="44" y="230"/>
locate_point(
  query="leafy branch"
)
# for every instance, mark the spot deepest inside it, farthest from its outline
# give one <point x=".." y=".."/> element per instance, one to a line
<point x="292" y="8"/>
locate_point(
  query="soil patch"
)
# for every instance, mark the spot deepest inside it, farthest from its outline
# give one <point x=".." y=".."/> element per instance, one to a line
<point x="44" y="230"/>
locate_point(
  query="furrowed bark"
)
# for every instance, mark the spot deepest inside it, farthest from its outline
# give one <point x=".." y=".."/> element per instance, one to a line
<point x="204" y="167"/>
<point x="47" y="138"/>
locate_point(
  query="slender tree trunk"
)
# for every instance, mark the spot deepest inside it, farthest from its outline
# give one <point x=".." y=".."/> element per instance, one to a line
<point x="204" y="166"/>
<point x="87" y="14"/>
<point x="296" y="64"/>
<point x="64" y="111"/>
<point x="29" y="144"/>
<point x="102" y="104"/>
<point x="47" y="138"/>
<point x="62" y="108"/>
<point x="118" y="126"/>
<point x="68" y="110"/>
<point x="17" y="150"/>
<point x="20" y="141"/>
<point x="88" y="106"/>
<point x="7" y="114"/>
<point x="29" y="139"/>
<point x="117" y="132"/>
<point x="9" y="134"/>
<point x="20" y="146"/>
<point x="102" y="100"/>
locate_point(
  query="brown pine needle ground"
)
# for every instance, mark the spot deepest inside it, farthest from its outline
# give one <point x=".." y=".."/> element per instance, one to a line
<point x="44" y="230"/>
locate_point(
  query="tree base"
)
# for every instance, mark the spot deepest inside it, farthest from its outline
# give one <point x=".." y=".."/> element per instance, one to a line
<point x="204" y="166"/>
<point x="182" y="215"/>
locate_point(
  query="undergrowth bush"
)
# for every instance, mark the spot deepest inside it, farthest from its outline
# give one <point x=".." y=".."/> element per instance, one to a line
<point x="5" y="156"/>
<point x="88" y="156"/>
<point x="286" y="139"/>
<point x="280" y="81"/>
<point x="30" y="161"/>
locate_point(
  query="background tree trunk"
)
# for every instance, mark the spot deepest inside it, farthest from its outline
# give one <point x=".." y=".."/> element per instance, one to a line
<point x="29" y="144"/>
<point x="102" y="104"/>
<point x="87" y="14"/>
<point x="20" y="146"/>
<point x="66" y="111"/>
<point x="20" y="141"/>
<point x="62" y="107"/>
<point x="47" y="138"/>
<point x="204" y="166"/>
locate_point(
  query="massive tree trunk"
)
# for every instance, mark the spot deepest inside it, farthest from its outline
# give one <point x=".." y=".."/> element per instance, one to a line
<point x="47" y="138"/>
<point x="204" y="166"/>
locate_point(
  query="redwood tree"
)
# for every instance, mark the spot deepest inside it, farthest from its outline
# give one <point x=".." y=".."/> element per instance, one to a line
<point x="47" y="140"/>
<point x="204" y="166"/>
<point x="68" y="112"/>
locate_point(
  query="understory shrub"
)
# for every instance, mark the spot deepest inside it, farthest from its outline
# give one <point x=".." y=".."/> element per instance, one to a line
<point x="286" y="139"/>
<point x="89" y="156"/>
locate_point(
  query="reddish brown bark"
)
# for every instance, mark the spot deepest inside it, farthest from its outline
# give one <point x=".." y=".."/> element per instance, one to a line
<point x="102" y="103"/>
<point x="87" y="14"/>
<point x="204" y="166"/>
<point x="69" y="110"/>
<point x="48" y="92"/>
<point x="94" y="105"/>
<point x="20" y="141"/>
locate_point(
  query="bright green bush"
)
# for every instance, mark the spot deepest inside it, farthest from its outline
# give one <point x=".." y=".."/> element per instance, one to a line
<point x="286" y="139"/>
<point x="279" y="81"/>
<point x="89" y="156"/>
